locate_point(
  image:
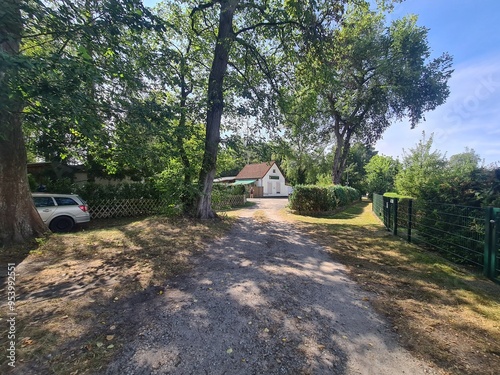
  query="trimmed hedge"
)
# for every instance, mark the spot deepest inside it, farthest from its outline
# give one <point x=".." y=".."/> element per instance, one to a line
<point x="312" y="198"/>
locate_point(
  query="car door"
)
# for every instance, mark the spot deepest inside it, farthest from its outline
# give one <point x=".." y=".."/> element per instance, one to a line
<point x="45" y="206"/>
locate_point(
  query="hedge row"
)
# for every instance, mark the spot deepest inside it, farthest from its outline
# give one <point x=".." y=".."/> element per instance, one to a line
<point x="311" y="198"/>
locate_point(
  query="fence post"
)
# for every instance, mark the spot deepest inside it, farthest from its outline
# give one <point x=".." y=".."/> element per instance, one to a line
<point x="394" y="202"/>
<point x="488" y="245"/>
<point x="387" y="213"/>
<point x="494" y="243"/>
<point x="410" y="213"/>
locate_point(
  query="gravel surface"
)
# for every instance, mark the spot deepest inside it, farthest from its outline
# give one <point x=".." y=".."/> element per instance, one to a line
<point x="263" y="300"/>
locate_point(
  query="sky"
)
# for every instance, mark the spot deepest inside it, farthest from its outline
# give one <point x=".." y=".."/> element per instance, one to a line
<point x="469" y="30"/>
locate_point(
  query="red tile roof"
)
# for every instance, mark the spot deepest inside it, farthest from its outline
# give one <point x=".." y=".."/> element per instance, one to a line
<point x="254" y="170"/>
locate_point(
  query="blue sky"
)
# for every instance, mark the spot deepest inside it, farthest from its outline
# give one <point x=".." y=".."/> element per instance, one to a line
<point x="469" y="30"/>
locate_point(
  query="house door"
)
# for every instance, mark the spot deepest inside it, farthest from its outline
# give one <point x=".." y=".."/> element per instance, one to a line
<point x="269" y="188"/>
<point x="278" y="187"/>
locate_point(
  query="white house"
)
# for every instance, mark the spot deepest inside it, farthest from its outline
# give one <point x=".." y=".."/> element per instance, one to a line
<point x="266" y="179"/>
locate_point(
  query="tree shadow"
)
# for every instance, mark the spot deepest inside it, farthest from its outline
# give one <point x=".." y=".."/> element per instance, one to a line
<point x="262" y="300"/>
<point x="413" y="282"/>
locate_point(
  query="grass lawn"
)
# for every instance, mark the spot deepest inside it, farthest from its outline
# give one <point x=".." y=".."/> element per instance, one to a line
<point x="440" y="311"/>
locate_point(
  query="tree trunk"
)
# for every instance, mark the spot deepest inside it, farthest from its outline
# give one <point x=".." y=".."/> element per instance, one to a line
<point x="215" y="108"/>
<point x="187" y="196"/>
<point x="19" y="220"/>
<point x="343" y="141"/>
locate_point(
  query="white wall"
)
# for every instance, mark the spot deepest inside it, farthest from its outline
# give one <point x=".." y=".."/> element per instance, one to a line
<point x="274" y="187"/>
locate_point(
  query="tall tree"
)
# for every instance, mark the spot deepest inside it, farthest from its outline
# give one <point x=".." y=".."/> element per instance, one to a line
<point x="422" y="171"/>
<point x="367" y="75"/>
<point x="260" y="29"/>
<point x="215" y="104"/>
<point x="19" y="220"/>
<point x="381" y="173"/>
<point x="66" y="80"/>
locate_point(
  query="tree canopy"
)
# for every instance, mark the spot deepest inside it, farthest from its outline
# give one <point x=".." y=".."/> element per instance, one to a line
<point x="364" y="75"/>
<point x="160" y="93"/>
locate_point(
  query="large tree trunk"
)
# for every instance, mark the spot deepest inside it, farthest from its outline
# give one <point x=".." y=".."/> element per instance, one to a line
<point x="215" y="107"/>
<point x="343" y="140"/>
<point x="187" y="197"/>
<point x="19" y="220"/>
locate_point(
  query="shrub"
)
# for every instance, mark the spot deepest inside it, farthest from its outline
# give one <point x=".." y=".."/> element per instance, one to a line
<point x="311" y="198"/>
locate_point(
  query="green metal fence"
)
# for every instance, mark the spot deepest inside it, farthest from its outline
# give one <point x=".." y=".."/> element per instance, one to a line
<point x="378" y="206"/>
<point x="465" y="235"/>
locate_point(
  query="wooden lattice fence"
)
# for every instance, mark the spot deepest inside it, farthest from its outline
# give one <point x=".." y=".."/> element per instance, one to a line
<point x="228" y="202"/>
<point x="103" y="209"/>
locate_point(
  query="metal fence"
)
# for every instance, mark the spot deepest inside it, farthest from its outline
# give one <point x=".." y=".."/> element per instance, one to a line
<point x="464" y="235"/>
<point x="112" y="208"/>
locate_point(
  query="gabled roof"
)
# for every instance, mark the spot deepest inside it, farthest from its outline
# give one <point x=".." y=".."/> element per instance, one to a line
<point x="250" y="171"/>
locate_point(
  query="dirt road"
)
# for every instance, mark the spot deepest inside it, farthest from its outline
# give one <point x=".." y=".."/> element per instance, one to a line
<point x="263" y="300"/>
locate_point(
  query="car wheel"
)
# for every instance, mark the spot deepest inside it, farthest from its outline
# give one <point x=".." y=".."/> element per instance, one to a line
<point x="62" y="224"/>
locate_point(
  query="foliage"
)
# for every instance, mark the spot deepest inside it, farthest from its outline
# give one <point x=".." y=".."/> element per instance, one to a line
<point x="355" y="174"/>
<point x="222" y="195"/>
<point x="381" y="172"/>
<point x="422" y="171"/>
<point x="364" y="75"/>
<point x="311" y="198"/>
<point x="428" y="175"/>
<point x="236" y="151"/>
<point x="396" y="195"/>
<point x="81" y="85"/>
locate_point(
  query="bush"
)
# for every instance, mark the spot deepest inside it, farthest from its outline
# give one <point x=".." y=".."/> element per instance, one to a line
<point x="91" y="191"/>
<point x="223" y="196"/>
<point x="311" y="198"/>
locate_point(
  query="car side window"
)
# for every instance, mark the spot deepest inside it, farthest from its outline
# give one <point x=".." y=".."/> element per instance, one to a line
<point x="63" y="201"/>
<point x="43" y="201"/>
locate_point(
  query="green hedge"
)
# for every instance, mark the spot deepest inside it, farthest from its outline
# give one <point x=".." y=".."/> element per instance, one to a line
<point x="311" y="198"/>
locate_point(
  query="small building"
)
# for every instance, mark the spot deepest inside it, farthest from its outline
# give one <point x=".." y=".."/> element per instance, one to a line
<point x="266" y="179"/>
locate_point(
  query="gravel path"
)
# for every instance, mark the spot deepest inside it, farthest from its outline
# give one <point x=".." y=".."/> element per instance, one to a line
<point x="263" y="300"/>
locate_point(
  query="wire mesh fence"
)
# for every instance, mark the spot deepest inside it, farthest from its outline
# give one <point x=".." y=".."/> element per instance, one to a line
<point x="458" y="232"/>
<point x="462" y="234"/>
<point x="378" y="206"/>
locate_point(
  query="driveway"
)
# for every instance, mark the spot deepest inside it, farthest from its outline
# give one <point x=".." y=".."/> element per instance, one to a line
<point x="263" y="300"/>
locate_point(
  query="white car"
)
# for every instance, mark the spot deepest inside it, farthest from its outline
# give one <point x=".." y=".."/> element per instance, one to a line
<point x="61" y="211"/>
